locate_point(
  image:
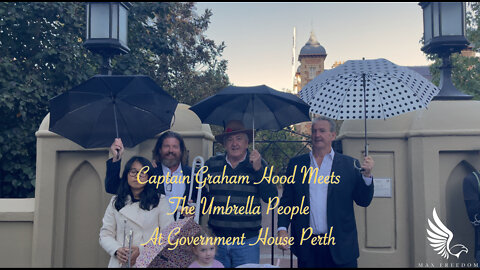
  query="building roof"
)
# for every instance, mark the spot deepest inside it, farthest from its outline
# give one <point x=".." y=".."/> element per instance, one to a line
<point x="312" y="47"/>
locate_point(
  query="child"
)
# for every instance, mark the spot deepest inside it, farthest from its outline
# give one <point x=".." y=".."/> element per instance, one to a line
<point x="205" y="254"/>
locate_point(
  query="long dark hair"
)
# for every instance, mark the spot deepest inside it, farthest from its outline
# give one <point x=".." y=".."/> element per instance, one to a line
<point x="168" y="134"/>
<point x="149" y="197"/>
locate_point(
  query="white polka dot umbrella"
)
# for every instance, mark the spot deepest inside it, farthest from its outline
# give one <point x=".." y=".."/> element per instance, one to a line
<point x="382" y="87"/>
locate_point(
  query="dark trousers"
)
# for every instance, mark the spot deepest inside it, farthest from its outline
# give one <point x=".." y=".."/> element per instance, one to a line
<point x="320" y="257"/>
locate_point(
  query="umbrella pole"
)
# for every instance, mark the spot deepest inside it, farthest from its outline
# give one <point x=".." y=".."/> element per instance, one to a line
<point x="115" y="115"/>
<point x="253" y="105"/>
<point x="116" y="123"/>
<point x="253" y="133"/>
<point x="365" y="113"/>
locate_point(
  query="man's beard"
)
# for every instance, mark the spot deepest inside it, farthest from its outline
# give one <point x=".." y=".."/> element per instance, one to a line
<point x="171" y="161"/>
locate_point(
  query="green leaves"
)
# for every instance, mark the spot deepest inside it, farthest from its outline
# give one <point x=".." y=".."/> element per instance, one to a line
<point x="170" y="43"/>
<point x="465" y="70"/>
<point x="42" y="56"/>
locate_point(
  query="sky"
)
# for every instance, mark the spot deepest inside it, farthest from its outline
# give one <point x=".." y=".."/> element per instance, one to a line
<point x="259" y="36"/>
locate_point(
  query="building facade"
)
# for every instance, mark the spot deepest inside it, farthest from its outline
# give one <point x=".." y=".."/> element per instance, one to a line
<point x="312" y="62"/>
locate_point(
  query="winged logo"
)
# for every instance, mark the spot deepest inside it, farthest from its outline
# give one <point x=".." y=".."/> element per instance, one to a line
<point x="440" y="238"/>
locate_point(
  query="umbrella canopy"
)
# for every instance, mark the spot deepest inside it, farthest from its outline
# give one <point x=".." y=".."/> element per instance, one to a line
<point x="258" y="107"/>
<point x="367" y="89"/>
<point x="269" y="108"/>
<point x="93" y="114"/>
<point x="389" y="90"/>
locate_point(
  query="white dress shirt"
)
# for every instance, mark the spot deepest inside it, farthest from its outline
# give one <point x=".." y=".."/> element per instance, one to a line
<point x="228" y="161"/>
<point x="318" y="193"/>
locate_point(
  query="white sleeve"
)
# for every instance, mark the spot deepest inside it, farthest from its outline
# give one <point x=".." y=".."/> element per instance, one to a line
<point x="368" y="180"/>
<point x="164" y="219"/>
<point x="108" y="232"/>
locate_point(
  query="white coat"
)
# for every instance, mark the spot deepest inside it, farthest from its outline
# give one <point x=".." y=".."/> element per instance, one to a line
<point x="143" y="223"/>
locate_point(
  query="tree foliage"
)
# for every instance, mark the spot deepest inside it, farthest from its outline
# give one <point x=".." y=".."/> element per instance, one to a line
<point x="465" y="70"/>
<point x="168" y="43"/>
<point x="278" y="147"/>
<point x="42" y="55"/>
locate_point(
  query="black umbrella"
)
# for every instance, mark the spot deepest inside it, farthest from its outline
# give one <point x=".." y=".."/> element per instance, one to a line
<point x="93" y="114"/>
<point x="258" y="107"/>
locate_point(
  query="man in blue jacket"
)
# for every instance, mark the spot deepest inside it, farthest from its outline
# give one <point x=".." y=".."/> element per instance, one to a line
<point x="330" y="196"/>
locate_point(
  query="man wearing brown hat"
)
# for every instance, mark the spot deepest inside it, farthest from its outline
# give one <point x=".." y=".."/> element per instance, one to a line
<point x="238" y="161"/>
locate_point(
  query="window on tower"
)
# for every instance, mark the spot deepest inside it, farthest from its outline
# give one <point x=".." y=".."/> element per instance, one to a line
<point x="312" y="72"/>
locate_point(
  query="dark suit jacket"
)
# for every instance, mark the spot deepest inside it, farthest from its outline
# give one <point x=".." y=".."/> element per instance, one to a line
<point x="340" y="213"/>
<point x="471" y="195"/>
<point x="112" y="179"/>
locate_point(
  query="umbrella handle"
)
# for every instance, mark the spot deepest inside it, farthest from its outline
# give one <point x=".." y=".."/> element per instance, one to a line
<point x="124" y="232"/>
<point x="357" y="167"/>
<point x="130" y="238"/>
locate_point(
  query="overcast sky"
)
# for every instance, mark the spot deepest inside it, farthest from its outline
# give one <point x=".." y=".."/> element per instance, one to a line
<point x="259" y="36"/>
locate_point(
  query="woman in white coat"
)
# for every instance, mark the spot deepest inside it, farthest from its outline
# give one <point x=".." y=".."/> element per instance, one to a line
<point x="138" y="207"/>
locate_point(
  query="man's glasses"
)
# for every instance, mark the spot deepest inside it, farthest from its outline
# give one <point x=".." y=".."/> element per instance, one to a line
<point x="133" y="173"/>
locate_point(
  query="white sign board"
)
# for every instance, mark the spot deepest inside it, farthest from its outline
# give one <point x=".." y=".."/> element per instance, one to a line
<point x="382" y="187"/>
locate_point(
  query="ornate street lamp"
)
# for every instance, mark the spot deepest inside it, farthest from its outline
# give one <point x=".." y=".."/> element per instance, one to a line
<point x="107" y="30"/>
<point x="444" y="34"/>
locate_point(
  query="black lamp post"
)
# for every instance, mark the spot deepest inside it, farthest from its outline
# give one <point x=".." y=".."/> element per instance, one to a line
<point x="444" y="34"/>
<point x="107" y="30"/>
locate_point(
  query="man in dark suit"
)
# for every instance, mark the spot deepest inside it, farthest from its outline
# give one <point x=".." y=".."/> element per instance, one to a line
<point x="471" y="195"/>
<point x="167" y="156"/>
<point x="330" y="195"/>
